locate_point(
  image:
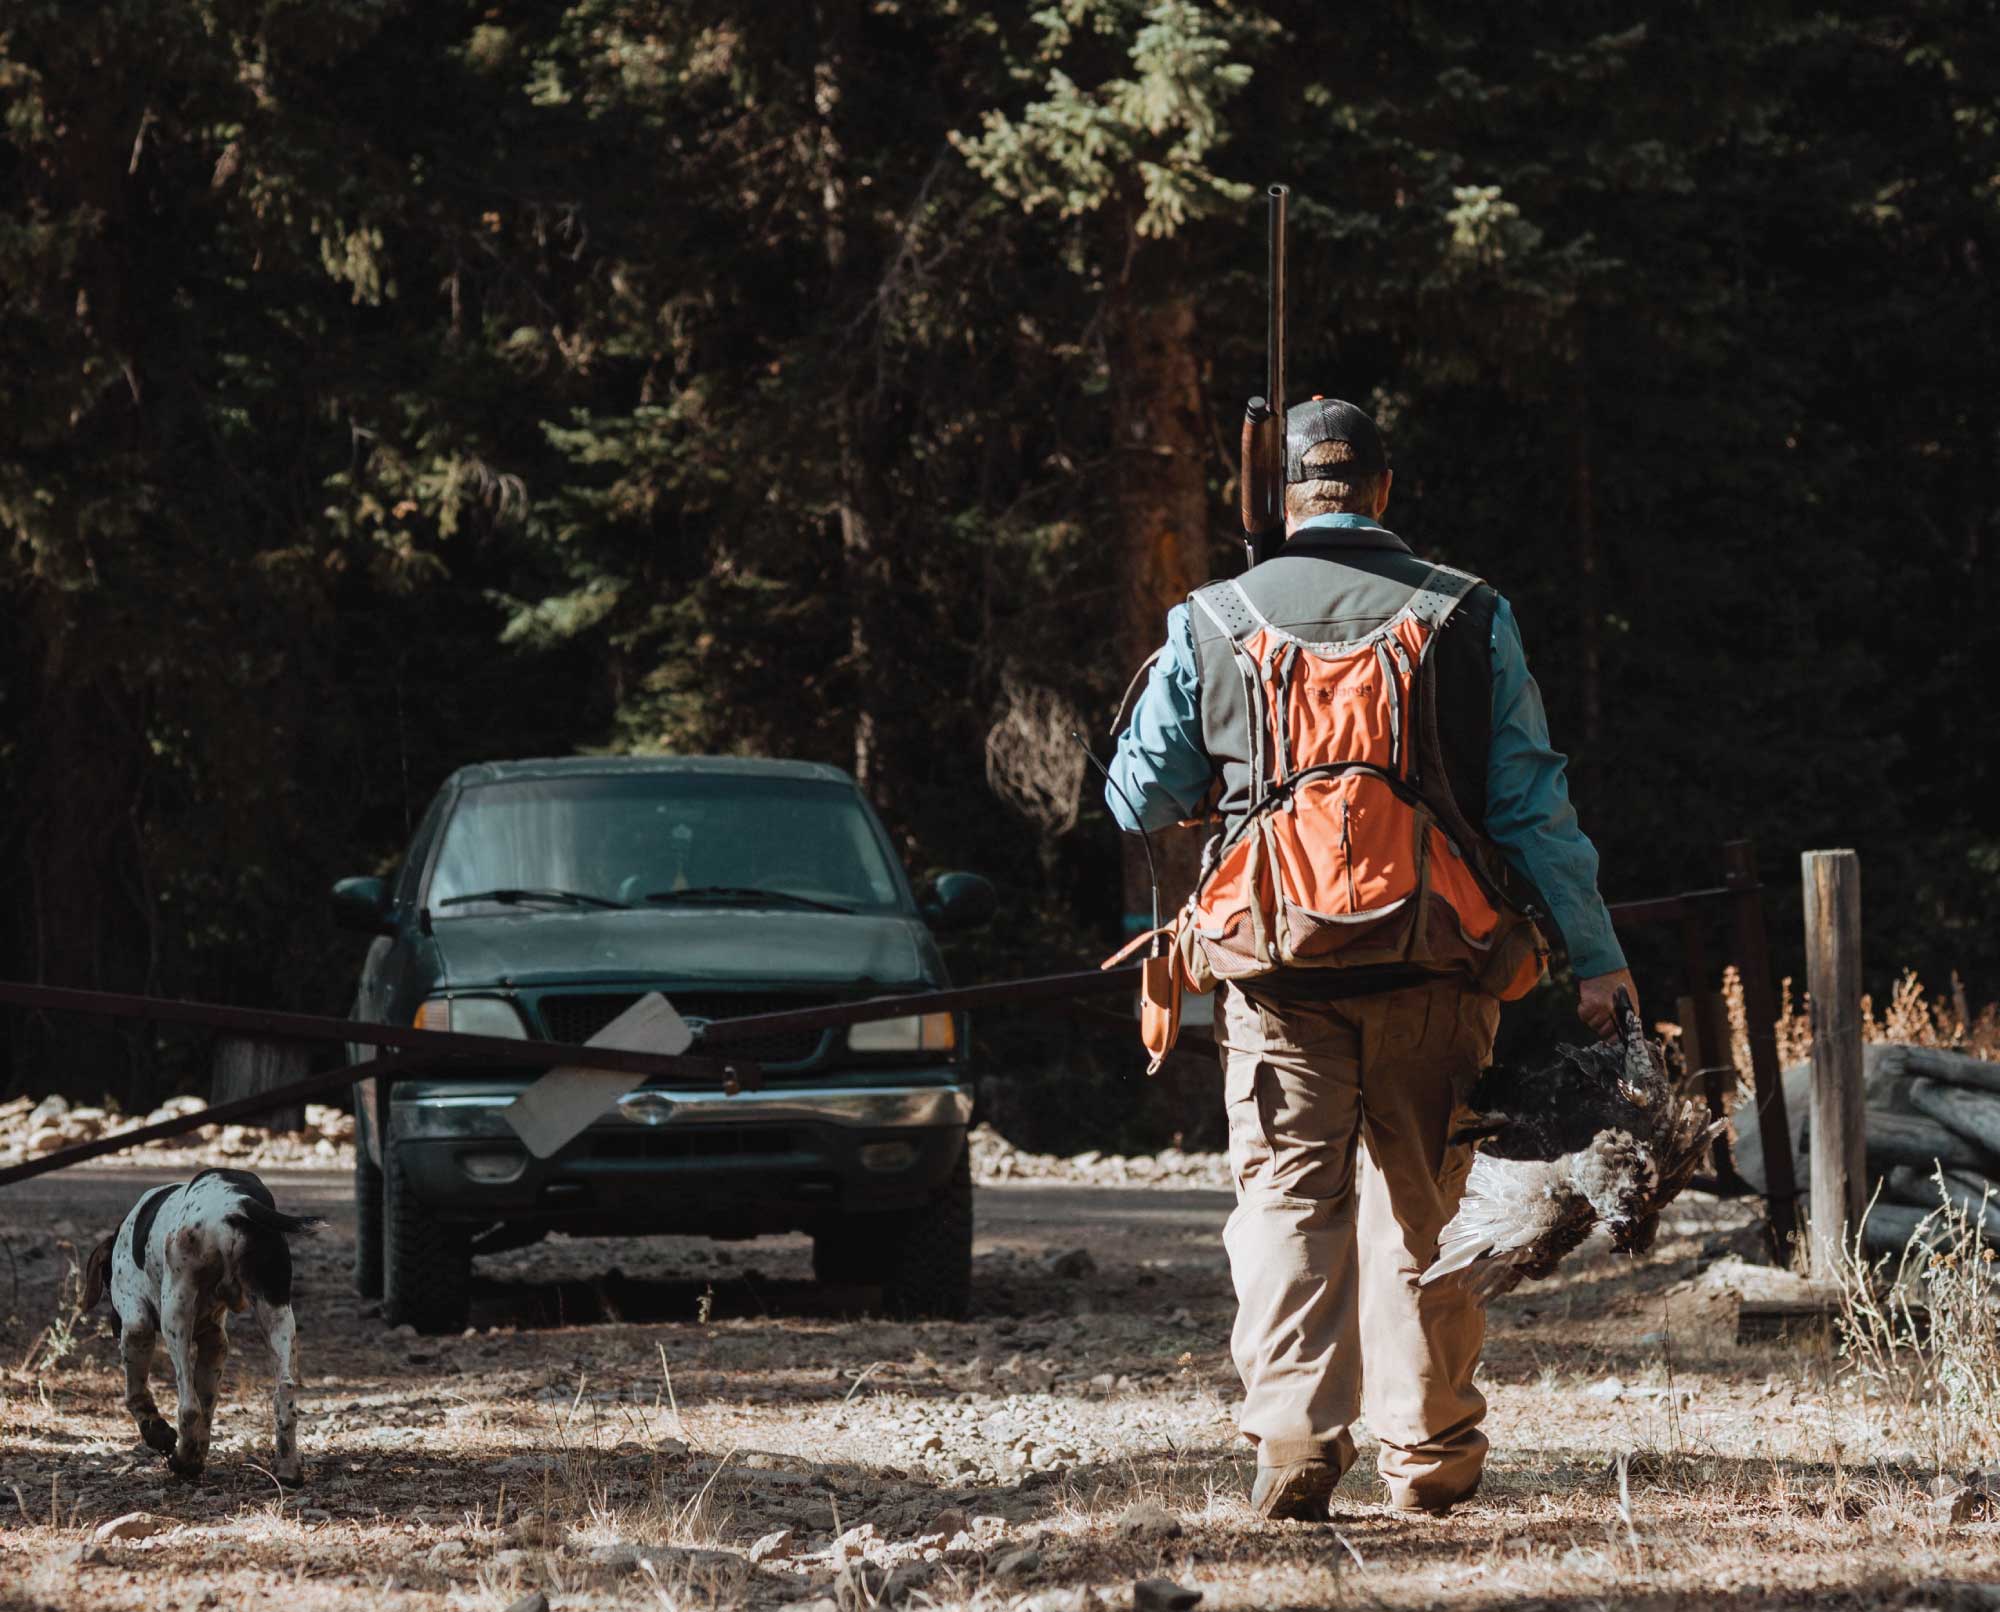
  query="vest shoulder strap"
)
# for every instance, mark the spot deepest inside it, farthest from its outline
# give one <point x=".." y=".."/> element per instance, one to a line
<point x="1441" y="593"/>
<point x="1225" y="603"/>
<point x="1229" y="607"/>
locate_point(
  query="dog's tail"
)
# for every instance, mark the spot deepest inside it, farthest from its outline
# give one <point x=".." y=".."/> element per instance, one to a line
<point x="251" y="1216"/>
<point x="263" y="1266"/>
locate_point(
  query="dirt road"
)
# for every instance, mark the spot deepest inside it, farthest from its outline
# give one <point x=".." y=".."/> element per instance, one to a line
<point x="629" y="1422"/>
<point x="1026" y="1221"/>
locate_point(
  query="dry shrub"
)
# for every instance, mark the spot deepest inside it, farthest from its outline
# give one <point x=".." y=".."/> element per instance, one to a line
<point x="60" y="1340"/>
<point x="1945" y="1023"/>
<point x="1910" y="1019"/>
<point x="1739" y="1020"/>
<point x="1921" y="1333"/>
<point x="1794" y="1026"/>
<point x="1032" y="762"/>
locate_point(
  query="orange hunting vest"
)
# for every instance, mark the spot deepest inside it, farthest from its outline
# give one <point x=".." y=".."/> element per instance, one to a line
<point x="1339" y="855"/>
<point x="1342" y="860"/>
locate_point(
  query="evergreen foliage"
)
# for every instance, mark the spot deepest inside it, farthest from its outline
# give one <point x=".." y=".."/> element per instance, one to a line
<point x="395" y="385"/>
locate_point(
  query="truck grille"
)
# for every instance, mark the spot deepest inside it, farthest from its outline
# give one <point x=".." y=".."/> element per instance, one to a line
<point x="575" y="1019"/>
<point x="724" y="1142"/>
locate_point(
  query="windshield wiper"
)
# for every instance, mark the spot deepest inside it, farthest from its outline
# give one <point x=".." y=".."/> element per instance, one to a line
<point x="743" y="893"/>
<point x="567" y="898"/>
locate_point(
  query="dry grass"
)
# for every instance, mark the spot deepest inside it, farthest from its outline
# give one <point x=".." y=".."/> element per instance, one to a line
<point x="1921" y="1334"/>
<point x="1641" y="1457"/>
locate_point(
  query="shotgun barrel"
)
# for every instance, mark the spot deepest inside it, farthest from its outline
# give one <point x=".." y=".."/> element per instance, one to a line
<point x="1274" y="338"/>
<point x="1261" y="485"/>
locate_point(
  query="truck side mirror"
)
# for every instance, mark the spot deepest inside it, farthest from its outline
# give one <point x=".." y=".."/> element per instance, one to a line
<point x="960" y="901"/>
<point x="363" y="905"/>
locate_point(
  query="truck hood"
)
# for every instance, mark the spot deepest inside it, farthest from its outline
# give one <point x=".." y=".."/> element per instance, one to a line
<point x="729" y="944"/>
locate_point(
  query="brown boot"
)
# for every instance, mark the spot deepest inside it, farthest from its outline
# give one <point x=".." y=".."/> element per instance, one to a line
<point x="1299" y="1492"/>
<point x="1432" y="1507"/>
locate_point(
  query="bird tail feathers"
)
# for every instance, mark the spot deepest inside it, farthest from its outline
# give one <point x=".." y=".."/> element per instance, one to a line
<point x="1477" y="1269"/>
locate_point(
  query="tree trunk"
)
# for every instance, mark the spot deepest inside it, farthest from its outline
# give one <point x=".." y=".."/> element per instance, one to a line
<point x="1161" y="494"/>
<point x="83" y="907"/>
<point x="87" y="922"/>
<point x="861" y="505"/>
<point x="245" y="1068"/>
<point x="862" y="574"/>
<point x="1589" y="596"/>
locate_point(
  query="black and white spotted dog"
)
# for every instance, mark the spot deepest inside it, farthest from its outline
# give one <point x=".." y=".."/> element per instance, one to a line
<point x="182" y="1259"/>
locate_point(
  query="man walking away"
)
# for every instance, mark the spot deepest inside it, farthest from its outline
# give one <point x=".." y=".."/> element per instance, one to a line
<point x="1390" y="801"/>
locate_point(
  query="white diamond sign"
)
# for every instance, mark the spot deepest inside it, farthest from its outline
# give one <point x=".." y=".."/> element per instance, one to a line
<point x="564" y="1102"/>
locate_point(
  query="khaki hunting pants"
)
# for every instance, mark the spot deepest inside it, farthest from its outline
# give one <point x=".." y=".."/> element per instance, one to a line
<point x="1327" y="1241"/>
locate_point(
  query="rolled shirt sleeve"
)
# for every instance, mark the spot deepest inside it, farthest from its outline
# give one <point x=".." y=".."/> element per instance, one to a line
<point x="1528" y="811"/>
<point x="1160" y="771"/>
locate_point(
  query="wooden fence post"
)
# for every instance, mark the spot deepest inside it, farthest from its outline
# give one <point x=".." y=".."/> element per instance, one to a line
<point x="1833" y="976"/>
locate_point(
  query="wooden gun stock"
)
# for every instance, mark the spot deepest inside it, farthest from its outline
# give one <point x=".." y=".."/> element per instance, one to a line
<point x="1261" y="484"/>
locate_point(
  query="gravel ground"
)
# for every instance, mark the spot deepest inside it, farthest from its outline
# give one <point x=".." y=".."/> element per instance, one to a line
<point x="668" y="1423"/>
<point x="29" y="1129"/>
<point x="995" y="1160"/>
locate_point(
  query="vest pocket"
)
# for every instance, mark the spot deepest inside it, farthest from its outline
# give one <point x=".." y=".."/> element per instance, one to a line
<point x="1345" y="871"/>
<point x="1460" y="927"/>
<point x="1229" y="928"/>
<point x="1456" y="898"/>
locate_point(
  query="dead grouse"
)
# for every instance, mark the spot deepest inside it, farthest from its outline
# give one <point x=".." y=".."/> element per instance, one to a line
<point x="1599" y="1134"/>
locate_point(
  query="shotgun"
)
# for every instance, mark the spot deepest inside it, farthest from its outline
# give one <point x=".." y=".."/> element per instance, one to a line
<point x="1261" y="485"/>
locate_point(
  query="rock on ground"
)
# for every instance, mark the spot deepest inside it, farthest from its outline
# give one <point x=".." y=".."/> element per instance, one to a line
<point x="775" y="1543"/>
<point x="1162" y="1595"/>
<point x="133" y="1525"/>
<point x="1022" y="1562"/>
<point x="1148" y="1521"/>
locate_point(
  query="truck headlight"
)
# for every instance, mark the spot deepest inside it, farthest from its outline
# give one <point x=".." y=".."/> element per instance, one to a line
<point x="472" y="1015"/>
<point x="926" y="1032"/>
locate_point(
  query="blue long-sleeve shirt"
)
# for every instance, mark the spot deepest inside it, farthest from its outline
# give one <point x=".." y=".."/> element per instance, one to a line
<point x="1164" y="772"/>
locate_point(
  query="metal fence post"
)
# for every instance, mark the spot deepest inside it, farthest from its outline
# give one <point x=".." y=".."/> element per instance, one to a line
<point x="1760" y="1006"/>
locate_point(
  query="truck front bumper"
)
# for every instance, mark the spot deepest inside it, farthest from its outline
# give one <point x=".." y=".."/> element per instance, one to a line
<point x="694" y="1160"/>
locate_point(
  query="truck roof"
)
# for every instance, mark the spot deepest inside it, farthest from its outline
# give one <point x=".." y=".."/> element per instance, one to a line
<point x="493" y="772"/>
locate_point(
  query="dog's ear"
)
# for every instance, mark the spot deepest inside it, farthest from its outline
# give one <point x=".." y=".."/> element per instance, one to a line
<point x="97" y="1273"/>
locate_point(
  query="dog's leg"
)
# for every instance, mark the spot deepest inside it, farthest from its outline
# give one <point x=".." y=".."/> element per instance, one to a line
<point x="281" y="1333"/>
<point x="199" y="1346"/>
<point x="135" y="1348"/>
<point x="211" y="1351"/>
<point x="178" y="1321"/>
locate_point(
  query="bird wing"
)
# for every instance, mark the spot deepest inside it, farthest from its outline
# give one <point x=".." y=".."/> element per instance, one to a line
<point x="1485" y="1273"/>
<point x="1510" y="1209"/>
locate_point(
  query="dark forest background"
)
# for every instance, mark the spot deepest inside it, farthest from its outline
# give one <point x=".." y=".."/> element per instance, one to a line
<point x="390" y="385"/>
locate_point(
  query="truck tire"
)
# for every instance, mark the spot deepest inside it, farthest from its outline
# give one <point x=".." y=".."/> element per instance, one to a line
<point x="920" y="1258"/>
<point x="426" y="1264"/>
<point x="928" y="1266"/>
<point x="367" y="1222"/>
<point x="845" y="1254"/>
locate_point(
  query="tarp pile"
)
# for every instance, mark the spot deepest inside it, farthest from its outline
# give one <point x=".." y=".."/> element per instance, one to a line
<point x="1927" y="1109"/>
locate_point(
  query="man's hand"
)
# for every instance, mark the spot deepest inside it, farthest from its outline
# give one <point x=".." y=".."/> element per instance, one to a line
<point x="1594" y="998"/>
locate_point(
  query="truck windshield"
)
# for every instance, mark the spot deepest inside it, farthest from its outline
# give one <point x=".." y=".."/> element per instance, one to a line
<point x="660" y="841"/>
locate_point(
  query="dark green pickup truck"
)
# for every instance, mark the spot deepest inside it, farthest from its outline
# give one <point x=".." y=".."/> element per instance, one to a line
<point x="543" y="898"/>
